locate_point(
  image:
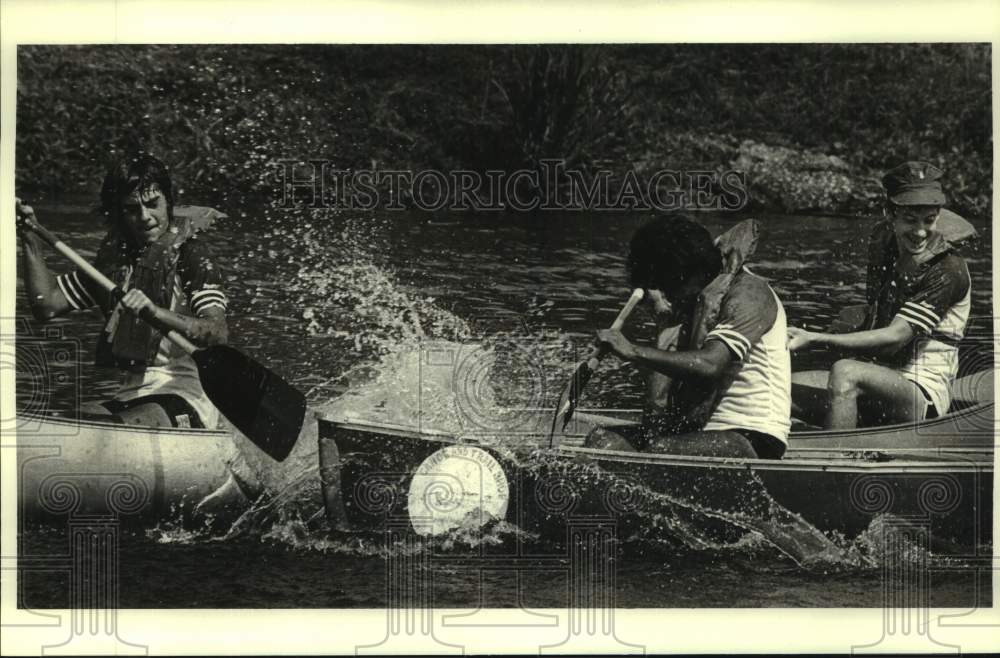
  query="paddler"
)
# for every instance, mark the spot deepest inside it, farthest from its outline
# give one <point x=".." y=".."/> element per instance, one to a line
<point x="904" y="343"/>
<point x="718" y="376"/>
<point x="164" y="269"/>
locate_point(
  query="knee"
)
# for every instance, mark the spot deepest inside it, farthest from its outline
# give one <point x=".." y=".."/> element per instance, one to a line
<point x="598" y="438"/>
<point x="94" y="409"/>
<point x="147" y="415"/>
<point x="844" y="377"/>
<point x="603" y="439"/>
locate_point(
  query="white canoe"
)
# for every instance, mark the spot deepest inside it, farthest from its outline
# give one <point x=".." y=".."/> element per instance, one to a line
<point x="70" y="467"/>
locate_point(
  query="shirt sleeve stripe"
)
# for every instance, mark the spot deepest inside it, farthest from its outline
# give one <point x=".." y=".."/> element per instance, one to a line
<point x="204" y="299"/>
<point x="200" y="294"/>
<point x="84" y="293"/>
<point x="734" y="335"/>
<point x="70" y="297"/>
<point x="207" y="305"/>
<point x="74" y="291"/>
<point x="919" y="322"/>
<point x="738" y="348"/>
<point x="208" y="294"/>
<point x="221" y="301"/>
<point x="921" y="310"/>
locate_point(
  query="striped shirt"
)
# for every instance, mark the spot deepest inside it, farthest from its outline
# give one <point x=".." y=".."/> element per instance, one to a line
<point x="935" y="302"/>
<point x="197" y="288"/>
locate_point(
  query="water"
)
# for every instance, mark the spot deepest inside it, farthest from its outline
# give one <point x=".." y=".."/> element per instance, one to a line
<point x="337" y="302"/>
<point x="345" y="573"/>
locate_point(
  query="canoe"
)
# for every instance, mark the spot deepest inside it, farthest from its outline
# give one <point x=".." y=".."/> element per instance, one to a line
<point x="70" y="467"/>
<point x="937" y="475"/>
<point x="833" y="489"/>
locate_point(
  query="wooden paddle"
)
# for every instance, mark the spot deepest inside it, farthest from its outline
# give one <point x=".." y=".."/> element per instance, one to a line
<point x="581" y="375"/>
<point x="259" y="403"/>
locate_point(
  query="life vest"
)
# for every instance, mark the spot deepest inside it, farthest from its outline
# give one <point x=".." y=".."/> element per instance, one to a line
<point x="128" y="342"/>
<point x="675" y="406"/>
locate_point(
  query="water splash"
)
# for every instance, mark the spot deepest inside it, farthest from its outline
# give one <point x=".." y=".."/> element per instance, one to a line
<point x="722" y="513"/>
<point x="167" y="533"/>
<point x="717" y="513"/>
<point x="459" y="389"/>
<point x="297" y="535"/>
<point x="401" y="359"/>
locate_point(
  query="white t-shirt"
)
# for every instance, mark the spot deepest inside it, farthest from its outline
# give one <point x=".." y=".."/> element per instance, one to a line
<point x="752" y="325"/>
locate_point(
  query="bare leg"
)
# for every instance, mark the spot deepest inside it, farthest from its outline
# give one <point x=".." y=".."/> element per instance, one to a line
<point x="898" y="399"/>
<point x="810" y="397"/>
<point x="714" y="443"/>
<point x="605" y="439"/>
<point x="96" y="411"/>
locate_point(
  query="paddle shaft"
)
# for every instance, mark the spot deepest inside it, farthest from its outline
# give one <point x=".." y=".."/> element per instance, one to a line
<point x="105" y="282"/>
<point x="595" y="356"/>
<point x="582" y="372"/>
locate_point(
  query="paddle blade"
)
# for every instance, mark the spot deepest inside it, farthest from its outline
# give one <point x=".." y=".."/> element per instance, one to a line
<point x="571" y="396"/>
<point x="259" y="403"/>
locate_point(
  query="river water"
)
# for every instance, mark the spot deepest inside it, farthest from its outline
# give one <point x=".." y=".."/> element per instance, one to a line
<point x="332" y="299"/>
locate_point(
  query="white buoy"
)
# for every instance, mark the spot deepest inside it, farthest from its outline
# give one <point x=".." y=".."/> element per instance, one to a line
<point x="457" y="486"/>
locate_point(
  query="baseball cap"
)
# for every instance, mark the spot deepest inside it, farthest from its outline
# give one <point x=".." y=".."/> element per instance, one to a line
<point x="914" y="183"/>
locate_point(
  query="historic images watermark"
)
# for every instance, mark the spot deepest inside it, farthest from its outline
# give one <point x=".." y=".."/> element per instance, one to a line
<point x="919" y="513"/>
<point x="467" y="487"/>
<point x="429" y="503"/>
<point x="87" y="503"/>
<point x="317" y="184"/>
<point x="42" y="363"/>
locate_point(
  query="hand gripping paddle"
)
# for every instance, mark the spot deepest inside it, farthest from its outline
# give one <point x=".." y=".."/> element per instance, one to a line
<point x="264" y="407"/>
<point x="581" y="375"/>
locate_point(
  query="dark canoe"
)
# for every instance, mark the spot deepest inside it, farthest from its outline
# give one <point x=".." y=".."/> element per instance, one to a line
<point x="937" y="474"/>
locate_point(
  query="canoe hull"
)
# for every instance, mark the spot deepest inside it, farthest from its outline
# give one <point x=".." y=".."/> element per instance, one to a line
<point x="68" y="468"/>
<point x="947" y="491"/>
<point x="939" y="473"/>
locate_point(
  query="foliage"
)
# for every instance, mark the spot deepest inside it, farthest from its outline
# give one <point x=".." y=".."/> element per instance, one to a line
<point x="562" y="101"/>
<point x="872" y="105"/>
<point x="795" y="180"/>
<point x="219" y="115"/>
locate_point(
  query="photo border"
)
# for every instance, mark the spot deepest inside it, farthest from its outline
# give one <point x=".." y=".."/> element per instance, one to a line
<point x="340" y="631"/>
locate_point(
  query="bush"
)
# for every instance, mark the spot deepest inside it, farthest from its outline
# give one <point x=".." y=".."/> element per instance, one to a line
<point x="219" y="114"/>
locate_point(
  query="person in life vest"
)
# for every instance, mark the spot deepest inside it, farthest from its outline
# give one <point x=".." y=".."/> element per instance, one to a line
<point x="718" y="376"/>
<point x="903" y="344"/>
<point x="163" y="267"/>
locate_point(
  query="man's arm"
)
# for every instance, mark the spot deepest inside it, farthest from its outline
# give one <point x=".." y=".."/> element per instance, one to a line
<point x="45" y="297"/>
<point x="944" y="285"/>
<point x="208" y="328"/>
<point x="708" y="363"/>
<point x="875" y="342"/>
<point x="201" y="281"/>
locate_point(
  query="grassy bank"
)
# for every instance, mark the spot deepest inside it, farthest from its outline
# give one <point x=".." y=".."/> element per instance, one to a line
<point x="813" y="124"/>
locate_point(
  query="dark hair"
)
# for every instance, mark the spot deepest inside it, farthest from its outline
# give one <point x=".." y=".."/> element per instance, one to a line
<point x="137" y="171"/>
<point x="668" y="251"/>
